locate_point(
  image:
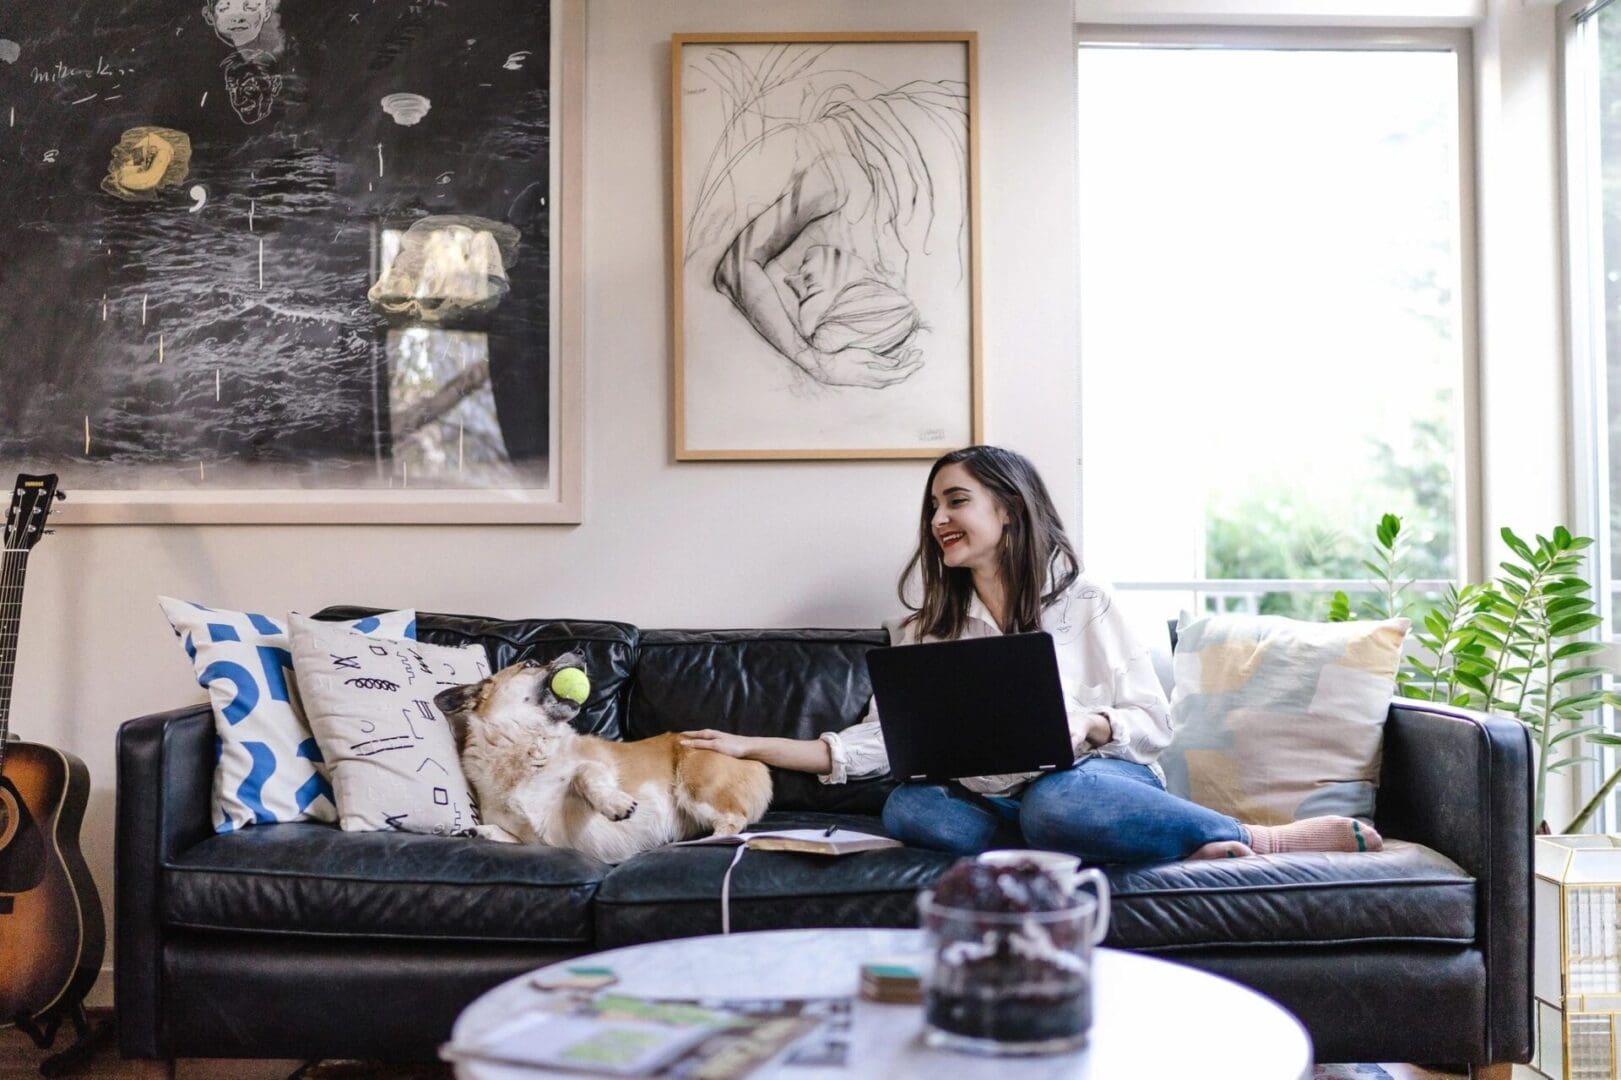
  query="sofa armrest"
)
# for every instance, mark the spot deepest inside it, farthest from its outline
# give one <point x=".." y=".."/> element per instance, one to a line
<point x="1460" y="782"/>
<point x="165" y="788"/>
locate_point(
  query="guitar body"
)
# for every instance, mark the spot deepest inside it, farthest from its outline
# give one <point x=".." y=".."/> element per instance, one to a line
<point x="52" y="934"/>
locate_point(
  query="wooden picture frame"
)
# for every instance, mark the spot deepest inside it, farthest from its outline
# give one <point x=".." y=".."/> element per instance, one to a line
<point x="825" y="245"/>
<point x="474" y="234"/>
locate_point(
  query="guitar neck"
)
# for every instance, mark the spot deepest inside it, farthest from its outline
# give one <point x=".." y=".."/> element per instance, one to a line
<point x="13" y="567"/>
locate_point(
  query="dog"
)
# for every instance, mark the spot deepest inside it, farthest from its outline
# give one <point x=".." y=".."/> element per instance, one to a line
<point x="539" y="781"/>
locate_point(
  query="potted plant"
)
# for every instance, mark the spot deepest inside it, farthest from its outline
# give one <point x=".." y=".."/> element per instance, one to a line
<point x="1513" y="645"/>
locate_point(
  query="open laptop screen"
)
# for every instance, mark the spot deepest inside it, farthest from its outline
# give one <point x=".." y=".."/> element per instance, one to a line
<point x="975" y="707"/>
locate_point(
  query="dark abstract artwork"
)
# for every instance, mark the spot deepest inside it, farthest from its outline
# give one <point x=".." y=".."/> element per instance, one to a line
<point x="293" y="244"/>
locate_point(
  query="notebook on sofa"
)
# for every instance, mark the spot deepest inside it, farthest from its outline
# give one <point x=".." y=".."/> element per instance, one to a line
<point x="810" y="841"/>
<point x="834" y="841"/>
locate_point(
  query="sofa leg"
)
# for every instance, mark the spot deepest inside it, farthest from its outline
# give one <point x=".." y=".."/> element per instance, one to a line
<point x="1491" y="1072"/>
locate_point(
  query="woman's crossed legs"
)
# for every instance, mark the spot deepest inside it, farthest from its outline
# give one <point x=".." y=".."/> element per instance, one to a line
<point x="1106" y="810"/>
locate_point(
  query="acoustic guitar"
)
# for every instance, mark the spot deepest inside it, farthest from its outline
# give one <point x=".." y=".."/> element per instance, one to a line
<point x="52" y="935"/>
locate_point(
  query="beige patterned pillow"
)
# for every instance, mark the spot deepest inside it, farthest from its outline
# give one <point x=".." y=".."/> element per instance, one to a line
<point x="392" y="753"/>
<point x="1278" y="719"/>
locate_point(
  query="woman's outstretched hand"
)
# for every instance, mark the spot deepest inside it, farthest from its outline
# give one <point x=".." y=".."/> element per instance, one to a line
<point x="722" y="742"/>
<point x="860" y="367"/>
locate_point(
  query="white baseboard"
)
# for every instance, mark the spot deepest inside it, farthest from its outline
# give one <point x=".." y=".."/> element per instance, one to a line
<point x="101" y="991"/>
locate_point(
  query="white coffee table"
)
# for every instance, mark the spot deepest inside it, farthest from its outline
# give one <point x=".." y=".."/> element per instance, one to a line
<point x="1152" y="1019"/>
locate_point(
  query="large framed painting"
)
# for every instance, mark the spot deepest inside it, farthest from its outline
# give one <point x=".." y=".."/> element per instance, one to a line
<point x="286" y="260"/>
<point x="825" y="245"/>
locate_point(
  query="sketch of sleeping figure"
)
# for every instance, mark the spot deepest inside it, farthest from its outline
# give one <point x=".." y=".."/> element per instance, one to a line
<point x="825" y="196"/>
<point x="447" y="266"/>
<point x="253" y="30"/>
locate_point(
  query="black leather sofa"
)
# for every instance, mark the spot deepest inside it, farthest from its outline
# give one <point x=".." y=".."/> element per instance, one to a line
<point x="301" y="941"/>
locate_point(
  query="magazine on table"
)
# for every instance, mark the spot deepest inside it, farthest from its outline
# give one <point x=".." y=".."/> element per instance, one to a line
<point x="684" y="1039"/>
<point x="795" y="1032"/>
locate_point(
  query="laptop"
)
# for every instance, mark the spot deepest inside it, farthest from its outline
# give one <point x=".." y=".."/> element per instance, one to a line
<point x="975" y="707"/>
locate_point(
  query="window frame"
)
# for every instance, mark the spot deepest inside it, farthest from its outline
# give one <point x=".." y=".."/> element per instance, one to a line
<point x="1468" y="496"/>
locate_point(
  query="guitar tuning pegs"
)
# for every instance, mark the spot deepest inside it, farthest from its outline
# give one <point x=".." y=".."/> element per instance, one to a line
<point x="61" y="496"/>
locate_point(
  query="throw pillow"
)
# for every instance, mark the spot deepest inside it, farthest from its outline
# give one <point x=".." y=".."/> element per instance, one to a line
<point x="392" y="753"/>
<point x="268" y="767"/>
<point x="1278" y="719"/>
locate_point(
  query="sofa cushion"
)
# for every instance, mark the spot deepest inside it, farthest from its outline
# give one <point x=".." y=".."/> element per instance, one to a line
<point x="609" y="649"/>
<point x="370" y="702"/>
<point x="675" y="892"/>
<point x="268" y="767"/>
<point x="1406" y="893"/>
<point x="307" y="879"/>
<point x="791" y="684"/>
<point x="1281" y="719"/>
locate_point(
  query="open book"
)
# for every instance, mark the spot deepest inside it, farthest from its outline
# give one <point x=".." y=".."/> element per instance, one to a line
<point x="810" y="841"/>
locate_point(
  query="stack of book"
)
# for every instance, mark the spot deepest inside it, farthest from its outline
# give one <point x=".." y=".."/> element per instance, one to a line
<point x="893" y="980"/>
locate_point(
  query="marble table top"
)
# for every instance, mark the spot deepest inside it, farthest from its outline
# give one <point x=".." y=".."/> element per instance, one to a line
<point x="1151" y="1018"/>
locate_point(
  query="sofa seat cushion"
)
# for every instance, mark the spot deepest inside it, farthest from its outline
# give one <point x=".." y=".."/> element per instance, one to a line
<point x="310" y="879"/>
<point x="1406" y="893"/>
<point x="675" y="892"/>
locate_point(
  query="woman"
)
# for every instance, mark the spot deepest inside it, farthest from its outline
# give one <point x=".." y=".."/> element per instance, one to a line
<point x="994" y="559"/>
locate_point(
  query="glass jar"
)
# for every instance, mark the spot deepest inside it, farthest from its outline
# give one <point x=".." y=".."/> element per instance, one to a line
<point x="1013" y="983"/>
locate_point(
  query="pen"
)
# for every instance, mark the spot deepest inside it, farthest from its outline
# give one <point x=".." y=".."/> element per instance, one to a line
<point x="830" y="830"/>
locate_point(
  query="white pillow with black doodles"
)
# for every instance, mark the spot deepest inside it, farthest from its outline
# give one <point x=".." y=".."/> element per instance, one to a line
<point x="370" y="704"/>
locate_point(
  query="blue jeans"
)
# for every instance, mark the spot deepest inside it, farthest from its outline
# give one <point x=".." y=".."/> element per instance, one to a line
<point x="1105" y="810"/>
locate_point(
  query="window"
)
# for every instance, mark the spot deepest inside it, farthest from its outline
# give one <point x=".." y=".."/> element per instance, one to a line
<point x="1592" y="74"/>
<point x="1273" y="338"/>
<point x="1593" y="133"/>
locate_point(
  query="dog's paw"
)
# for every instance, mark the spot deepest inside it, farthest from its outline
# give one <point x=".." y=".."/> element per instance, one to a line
<point x="729" y="825"/>
<point x="494" y="832"/>
<point x="617" y="807"/>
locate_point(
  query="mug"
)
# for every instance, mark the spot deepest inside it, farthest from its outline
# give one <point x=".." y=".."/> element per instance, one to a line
<point x="1013" y="983"/>
<point x="1065" y="868"/>
<point x="1061" y="866"/>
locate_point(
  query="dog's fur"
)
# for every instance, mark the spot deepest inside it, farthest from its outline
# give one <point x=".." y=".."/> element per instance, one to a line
<point x="540" y="781"/>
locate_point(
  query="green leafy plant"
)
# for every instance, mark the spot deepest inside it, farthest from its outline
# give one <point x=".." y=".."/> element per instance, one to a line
<point x="1513" y="645"/>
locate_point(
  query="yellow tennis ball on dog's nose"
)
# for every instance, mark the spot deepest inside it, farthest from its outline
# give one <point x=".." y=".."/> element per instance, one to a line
<point x="571" y="683"/>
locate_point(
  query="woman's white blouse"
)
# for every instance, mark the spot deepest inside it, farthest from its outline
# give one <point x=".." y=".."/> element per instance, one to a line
<point x="1101" y="667"/>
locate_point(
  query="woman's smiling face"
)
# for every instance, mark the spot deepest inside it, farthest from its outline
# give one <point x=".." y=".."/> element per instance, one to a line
<point x="968" y="521"/>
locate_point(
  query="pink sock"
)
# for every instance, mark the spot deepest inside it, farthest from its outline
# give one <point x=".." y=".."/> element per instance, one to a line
<point x="1314" y="834"/>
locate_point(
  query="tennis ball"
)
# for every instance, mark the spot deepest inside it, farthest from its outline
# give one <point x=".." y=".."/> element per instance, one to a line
<point x="572" y="684"/>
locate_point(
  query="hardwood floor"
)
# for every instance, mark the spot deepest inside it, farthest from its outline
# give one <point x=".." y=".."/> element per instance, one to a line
<point x="19" y="1060"/>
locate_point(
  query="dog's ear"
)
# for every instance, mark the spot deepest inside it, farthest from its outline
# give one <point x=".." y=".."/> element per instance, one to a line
<point x="456" y="703"/>
<point x="458" y="699"/>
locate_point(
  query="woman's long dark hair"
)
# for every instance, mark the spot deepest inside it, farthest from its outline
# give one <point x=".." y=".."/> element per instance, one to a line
<point x="1035" y="554"/>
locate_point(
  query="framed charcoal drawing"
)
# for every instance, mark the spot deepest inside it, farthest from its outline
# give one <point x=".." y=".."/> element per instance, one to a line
<point x="282" y="260"/>
<point x="825" y="245"/>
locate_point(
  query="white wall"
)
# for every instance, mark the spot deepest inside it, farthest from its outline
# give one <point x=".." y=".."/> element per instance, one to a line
<point x="700" y="544"/>
<point x="1524" y="387"/>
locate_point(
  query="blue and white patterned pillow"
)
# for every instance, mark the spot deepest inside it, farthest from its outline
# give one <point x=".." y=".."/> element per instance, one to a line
<point x="269" y="768"/>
